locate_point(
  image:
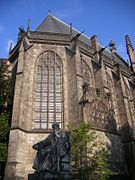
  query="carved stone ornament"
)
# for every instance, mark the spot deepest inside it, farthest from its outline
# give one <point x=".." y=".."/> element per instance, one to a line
<point x="100" y="116"/>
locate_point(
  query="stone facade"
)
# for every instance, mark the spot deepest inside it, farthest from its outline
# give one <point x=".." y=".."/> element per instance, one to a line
<point x="110" y="95"/>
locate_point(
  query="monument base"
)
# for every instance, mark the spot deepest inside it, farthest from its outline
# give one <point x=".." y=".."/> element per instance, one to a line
<point x="49" y="176"/>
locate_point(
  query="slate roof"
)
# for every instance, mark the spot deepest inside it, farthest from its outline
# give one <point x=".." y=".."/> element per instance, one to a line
<point x="118" y="59"/>
<point x="54" y="25"/>
<point x="51" y="24"/>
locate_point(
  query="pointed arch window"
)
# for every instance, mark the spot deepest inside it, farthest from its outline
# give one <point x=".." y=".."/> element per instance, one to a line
<point x="86" y="73"/>
<point x="110" y="92"/>
<point x="48" y="91"/>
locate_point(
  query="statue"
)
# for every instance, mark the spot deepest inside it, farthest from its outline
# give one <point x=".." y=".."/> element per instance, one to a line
<point x="53" y="158"/>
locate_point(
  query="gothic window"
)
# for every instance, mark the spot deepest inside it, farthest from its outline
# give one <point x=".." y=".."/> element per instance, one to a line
<point x="111" y="98"/>
<point x="110" y="91"/>
<point x="130" y="104"/>
<point x="86" y="73"/>
<point x="133" y="95"/>
<point x="101" y="112"/>
<point x="100" y="117"/>
<point x="48" y="91"/>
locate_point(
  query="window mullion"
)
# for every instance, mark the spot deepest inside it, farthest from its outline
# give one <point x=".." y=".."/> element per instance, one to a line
<point x="62" y="98"/>
<point x="41" y="97"/>
<point x="48" y="90"/>
<point x="55" y="88"/>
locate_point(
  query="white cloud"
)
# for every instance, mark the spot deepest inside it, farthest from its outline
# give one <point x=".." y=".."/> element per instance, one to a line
<point x="8" y="45"/>
<point x="1" y="28"/>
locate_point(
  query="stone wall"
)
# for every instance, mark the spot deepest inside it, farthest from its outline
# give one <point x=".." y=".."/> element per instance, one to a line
<point x="23" y="134"/>
<point x="21" y="154"/>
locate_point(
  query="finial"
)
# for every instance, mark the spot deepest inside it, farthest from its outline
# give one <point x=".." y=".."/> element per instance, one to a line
<point x="49" y="12"/>
<point x="128" y="42"/>
<point x="21" y="28"/>
<point x="112" y="46"/>
<point x="130" y="52"/>
<point x="28" y="28"/>
<point x="112" y="43"/>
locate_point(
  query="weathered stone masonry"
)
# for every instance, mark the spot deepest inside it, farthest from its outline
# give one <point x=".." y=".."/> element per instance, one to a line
<point x="110" y="93"/>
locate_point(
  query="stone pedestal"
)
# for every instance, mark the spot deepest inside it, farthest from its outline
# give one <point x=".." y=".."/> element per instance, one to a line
<point x="49" y="176"/>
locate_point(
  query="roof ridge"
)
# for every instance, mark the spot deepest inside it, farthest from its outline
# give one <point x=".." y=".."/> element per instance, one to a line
<point x="123" y="60"/>
<point x="69" y="26"/>
<point x="42" y="22"/>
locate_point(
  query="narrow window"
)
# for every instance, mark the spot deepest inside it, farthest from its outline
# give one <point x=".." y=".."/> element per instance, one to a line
<point x="86" y="73"/>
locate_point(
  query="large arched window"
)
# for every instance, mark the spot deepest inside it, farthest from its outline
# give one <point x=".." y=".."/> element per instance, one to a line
<point x="48" y="91"/>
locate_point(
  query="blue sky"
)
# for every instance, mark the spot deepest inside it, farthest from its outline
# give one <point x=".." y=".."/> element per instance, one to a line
<point x="108" y="19"/>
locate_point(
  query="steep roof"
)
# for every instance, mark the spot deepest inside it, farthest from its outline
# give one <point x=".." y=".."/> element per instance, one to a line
<point x="118" y="59"/>
<point x="54" y="25"/>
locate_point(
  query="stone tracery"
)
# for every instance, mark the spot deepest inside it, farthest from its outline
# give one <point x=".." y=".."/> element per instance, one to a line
<point x="100" y="117"/>
<point x="48" y="95"/>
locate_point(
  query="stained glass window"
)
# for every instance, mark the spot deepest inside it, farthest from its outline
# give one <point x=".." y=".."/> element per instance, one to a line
<point x="48" y="92"/>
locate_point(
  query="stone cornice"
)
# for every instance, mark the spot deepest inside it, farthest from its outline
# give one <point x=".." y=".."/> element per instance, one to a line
<point x="32" y="130"/>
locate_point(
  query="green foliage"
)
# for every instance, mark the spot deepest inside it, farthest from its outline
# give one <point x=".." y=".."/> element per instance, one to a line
<point x="5" y="110"/>
<point x="4" y="129"/>
<point x="99" y="166"/>
<point x="5" y="89"/>
<point x="4" y="126"/>
<point x="89" y="157"/>
<point x="3" y="151"/>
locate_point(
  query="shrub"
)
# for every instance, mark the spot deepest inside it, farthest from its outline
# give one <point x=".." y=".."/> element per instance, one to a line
<point x="89" y="157"/>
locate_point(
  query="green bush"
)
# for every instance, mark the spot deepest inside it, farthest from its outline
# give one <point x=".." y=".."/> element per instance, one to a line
<point x="4" y="126"/>
<point x="89" y="157"/>
<point x="3" y="151"/>
<point x="4" y="129"/>
<point x="5" y="110"/>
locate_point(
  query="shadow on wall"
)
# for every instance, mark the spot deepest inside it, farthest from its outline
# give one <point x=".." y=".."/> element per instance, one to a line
<point x="129" y="149"/>
<point x="122" y="150"/>
<point x="2" y="169"/>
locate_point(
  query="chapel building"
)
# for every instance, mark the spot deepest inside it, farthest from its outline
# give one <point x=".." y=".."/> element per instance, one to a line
<point x="61" y="75"/>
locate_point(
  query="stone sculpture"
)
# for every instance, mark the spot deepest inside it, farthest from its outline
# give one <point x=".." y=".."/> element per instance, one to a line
<point x="53" y="159"/>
